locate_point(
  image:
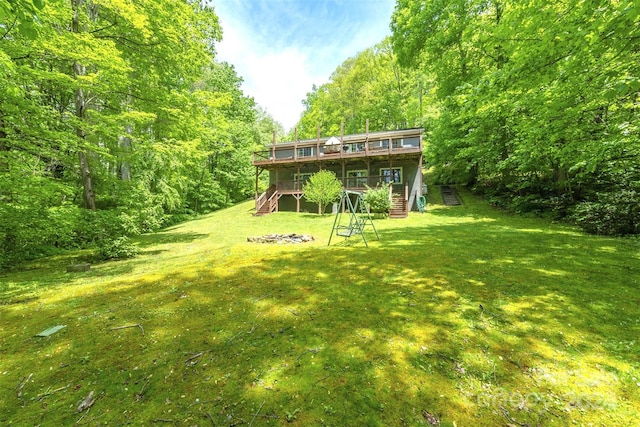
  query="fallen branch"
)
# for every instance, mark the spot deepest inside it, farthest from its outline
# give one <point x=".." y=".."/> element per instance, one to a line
<point x="82" y="418"/>
<point x="256" y="414"/>
<point x="430" y="418"/>
<point x="295" y="313"/>
<point x="22" y="383"/>
<point x="323" y="378"/>
<point x="234" y="337"/>
<point x="261" y="297"/>
<point x="49" y="393"/>
<point x="137" y="325"/>
<point x="509" y="418"/>
<point x="210" y="418"/>
<point x="309" y="350"/>
<point x="141" y="393"/>
<point x="195" y="356"/>
<point x="190" y="360"/>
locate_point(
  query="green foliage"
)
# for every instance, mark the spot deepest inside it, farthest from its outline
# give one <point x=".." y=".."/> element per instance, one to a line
<point x="370" y="86"/>
<point x="322" y="188"/>
<point x="610" y="214"/>
<point x="378" y="199"/>
<point x="536" y="99"/>
<point x="135" y="118"/>
<point x="118" y="248"/>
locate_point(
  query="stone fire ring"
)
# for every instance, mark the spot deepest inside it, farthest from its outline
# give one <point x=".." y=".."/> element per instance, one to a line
<point x="281" y="238"/>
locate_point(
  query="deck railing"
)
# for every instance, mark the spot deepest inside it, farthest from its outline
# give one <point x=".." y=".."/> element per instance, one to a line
<point x="265" y="198"/>
<point x="350" y="183"/>
<point x="309" y="151"/>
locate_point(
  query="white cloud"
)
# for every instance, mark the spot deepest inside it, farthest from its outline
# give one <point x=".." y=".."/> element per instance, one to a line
<point x="281" y="48"/>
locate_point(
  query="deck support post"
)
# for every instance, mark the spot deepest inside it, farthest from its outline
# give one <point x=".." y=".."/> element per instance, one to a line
<point x="371" y="184"/>
<point x="256" y="192"/>
<point x="298" y="196"/>
<point x="273" y="147"/>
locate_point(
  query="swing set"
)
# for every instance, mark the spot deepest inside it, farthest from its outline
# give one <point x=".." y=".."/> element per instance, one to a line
<point x="352" y="204"/>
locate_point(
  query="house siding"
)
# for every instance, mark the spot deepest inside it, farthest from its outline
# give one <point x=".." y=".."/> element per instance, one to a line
<point x="360" y="161"/>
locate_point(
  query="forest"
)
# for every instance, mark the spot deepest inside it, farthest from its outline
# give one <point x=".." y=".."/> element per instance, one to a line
<point x="533" y="104"/>
<point x="116" y="118"/>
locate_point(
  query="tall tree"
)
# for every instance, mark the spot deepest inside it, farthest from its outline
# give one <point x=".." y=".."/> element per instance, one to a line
<point x="117" y="107"/>
<point x="369" y="86"/>
<point x="537" y="99"/>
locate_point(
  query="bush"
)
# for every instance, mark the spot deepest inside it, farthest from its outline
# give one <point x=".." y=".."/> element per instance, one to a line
<point x="377" y="199"/>
<point x="615" y="214"/>
<point x="119" y="248"/>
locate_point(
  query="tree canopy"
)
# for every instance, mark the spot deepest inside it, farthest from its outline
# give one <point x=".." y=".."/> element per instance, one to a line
<point x="323" y="187"/>
<point x="538" y="101"/>
<point x="115" y="119"/>
<point x="535" y="104"/>
<point x="370" y="85"/>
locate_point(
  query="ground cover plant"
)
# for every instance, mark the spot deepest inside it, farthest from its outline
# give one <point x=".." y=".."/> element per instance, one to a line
<point x="461" y="316"/>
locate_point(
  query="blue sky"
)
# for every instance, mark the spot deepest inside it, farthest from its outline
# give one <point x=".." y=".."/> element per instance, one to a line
<point x="282" y="47"/>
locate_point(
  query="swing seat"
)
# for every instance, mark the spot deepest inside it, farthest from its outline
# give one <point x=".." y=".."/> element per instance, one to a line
<point x="359" y="217"/>
<point x="348" y="231"/>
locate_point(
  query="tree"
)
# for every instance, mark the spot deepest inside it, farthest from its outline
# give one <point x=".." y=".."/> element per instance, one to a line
<point x="115" y="119"/>
<point x="369" y="86"/>
<point x="322" y="188"/>
<point x="537" y="101"/>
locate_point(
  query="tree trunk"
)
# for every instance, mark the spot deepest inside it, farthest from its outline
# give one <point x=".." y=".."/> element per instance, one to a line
<point x="4" y="162"/>
<point x="124" y="143"/>
<point x="80" y="70"/>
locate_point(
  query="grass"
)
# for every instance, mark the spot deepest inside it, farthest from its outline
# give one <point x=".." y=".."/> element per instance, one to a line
<point x="462" y="316"/>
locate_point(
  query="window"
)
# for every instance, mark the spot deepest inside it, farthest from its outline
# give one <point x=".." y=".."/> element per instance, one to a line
<point x="305" y="151"/>
<point x="391" y="175"/>
<point x="383" y="144"/>
<point x="303" y="177"/>
<point x="356" y="178"/>
<point x="406" y="142"/>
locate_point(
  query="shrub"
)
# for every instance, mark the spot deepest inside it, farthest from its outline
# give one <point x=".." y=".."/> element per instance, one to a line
<point x="377" y="199"/>
<point x="611" y="214"/>
<point x="118" y="248"/>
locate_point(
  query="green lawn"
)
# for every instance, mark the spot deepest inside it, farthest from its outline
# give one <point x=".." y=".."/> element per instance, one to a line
<point x="465" y="316"/>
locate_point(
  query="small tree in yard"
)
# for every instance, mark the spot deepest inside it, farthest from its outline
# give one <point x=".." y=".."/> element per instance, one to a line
<point x="322" y="188"/>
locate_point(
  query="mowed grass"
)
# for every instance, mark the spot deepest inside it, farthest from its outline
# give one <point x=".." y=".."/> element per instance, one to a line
<point x="462" y="316"/>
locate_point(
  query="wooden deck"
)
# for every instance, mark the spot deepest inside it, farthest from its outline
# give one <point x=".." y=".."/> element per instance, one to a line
<point x="381" y="144"/>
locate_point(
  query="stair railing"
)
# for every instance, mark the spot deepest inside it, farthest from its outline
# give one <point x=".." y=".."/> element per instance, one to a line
<point x="265" y="197"/>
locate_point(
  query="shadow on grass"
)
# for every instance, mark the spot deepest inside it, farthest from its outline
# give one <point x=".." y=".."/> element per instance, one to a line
<point x="168" y="237"/>
<point x="458" y="321"/>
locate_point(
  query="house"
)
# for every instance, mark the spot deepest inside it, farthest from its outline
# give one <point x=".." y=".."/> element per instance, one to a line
<point x="359" y="161"/>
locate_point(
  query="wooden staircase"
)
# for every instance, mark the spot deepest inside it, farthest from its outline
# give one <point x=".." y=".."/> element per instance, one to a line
<point x="399" y="207"/>
<point x="267" y="202"/>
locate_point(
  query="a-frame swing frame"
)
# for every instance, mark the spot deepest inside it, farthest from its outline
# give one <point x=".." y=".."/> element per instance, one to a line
<point x="359" y="217"/>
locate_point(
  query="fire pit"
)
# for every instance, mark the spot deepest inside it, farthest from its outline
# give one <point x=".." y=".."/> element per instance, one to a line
<point x="281" y="238"/>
